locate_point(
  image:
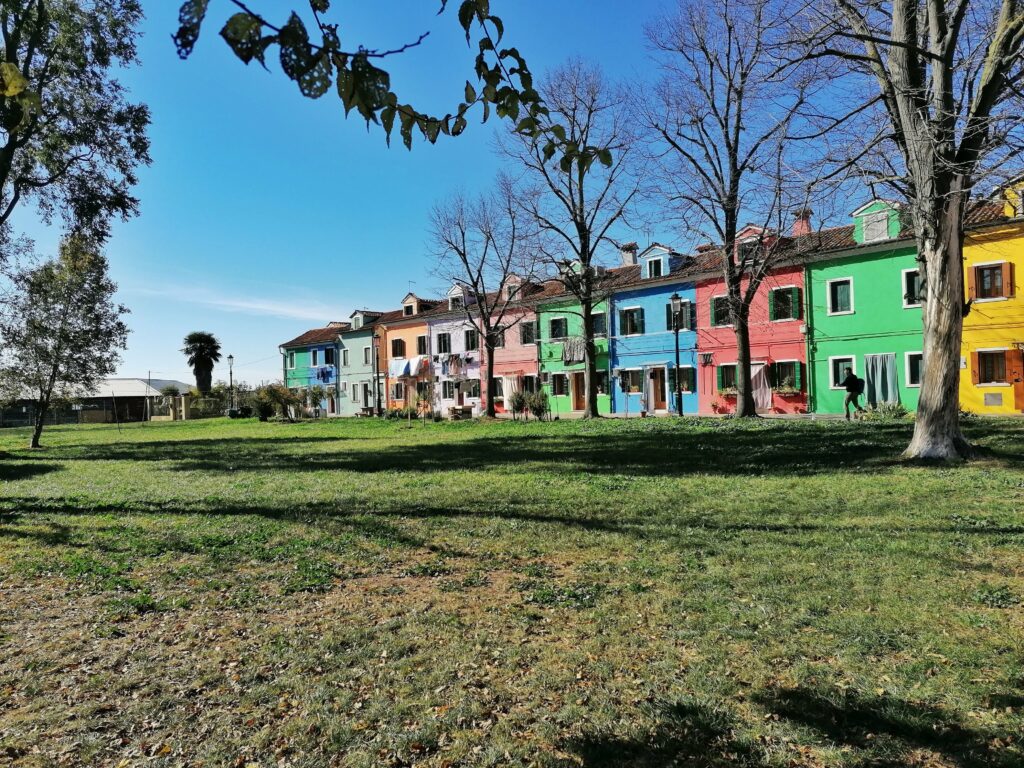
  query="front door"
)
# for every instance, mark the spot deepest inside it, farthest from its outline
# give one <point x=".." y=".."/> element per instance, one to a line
<point x="658" y="388"/>
<point x="1015" y="375"/>
<point x="880" y="379"/>
<point x="579" y="392"/>
<point x="762" y="389"/>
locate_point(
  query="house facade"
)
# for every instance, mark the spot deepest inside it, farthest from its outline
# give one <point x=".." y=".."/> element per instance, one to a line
<point x="864" y="313"/>
<point x="643" y="339"/>
<point x="455" y="354"/>
<point x="405" y="348"/>
<point x="515" y="359"/>
<point x="992" y="357"/>
<point x="361" y="369"/>
<point x="311" y="359"/>
<point x="777" y="347"/>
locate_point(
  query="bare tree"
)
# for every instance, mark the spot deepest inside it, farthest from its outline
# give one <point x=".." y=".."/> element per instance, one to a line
<point x="577" y="199"/>
<point x="720" y="124"/>
<point x="483" y="245"/>
<point x="944" y="114"/>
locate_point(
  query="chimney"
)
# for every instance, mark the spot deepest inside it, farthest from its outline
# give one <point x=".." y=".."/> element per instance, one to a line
<point x="628" y="252"/>
<point x="802" y="222"/>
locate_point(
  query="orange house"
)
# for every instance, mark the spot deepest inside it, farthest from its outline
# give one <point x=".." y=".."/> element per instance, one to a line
<point x="405" y="348"/>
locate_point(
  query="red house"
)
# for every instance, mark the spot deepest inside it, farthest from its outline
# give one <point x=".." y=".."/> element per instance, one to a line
<point x="777" y="348"/>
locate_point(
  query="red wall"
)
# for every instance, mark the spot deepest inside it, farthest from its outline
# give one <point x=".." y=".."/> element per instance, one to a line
<point x="514" y="357"/>
<point x="769" y="341"/>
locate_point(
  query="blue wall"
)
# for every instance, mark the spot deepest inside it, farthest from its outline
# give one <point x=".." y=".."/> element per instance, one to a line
<point x="656" y="347"/>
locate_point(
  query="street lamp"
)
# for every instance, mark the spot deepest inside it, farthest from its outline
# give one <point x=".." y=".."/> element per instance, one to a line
<point x="231" y="379"/>
<point x="677" y="307"/>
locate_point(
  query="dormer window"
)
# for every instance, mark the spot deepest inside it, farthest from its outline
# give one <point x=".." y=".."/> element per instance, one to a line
<point x="455" y="302"/>
<point x="511" y="291"/>
<point x="357" y="322"/>
<point x="748" y="250"/>
<point x="409" y="310"/>
<point x="876" y="226"/>
<point x="654" y="268"/>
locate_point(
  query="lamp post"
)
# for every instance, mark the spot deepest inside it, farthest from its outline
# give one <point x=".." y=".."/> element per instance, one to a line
<point x="677" y="306"/>
<point x="231" y="379"/>
<point x="376" y="375"/>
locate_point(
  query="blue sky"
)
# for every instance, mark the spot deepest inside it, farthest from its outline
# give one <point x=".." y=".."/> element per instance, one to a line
<point x="264" y="213"/>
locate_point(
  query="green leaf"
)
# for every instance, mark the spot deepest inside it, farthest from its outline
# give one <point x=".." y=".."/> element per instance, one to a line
<point x="315" y="81"/>
<point x="605" y="156"/>
<point x="498" y="25"/>
<point x="243" y="33"/>
<point x="320" y="6"/>
<point x="467" y="11"/>
<point x="387" y="120"/>
<point x="470" y="93"/>
<point x="558" y="131"/>
<point x="13" y="82"/>
<point x="190" y="21"/>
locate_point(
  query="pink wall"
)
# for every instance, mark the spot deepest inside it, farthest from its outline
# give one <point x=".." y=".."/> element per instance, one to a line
<point x="770" y="341"/>
<point x="515" y="357"/>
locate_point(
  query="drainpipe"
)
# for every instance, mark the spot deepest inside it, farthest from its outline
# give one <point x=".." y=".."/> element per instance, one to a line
<point x="809" y="343"/>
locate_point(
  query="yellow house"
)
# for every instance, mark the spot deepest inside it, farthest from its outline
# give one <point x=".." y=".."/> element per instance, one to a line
<point x="992" y="365"/>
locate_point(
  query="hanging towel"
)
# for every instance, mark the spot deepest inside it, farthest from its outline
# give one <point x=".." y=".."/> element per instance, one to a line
<point x="574" y="350"/>
<point x="398" y="368"/>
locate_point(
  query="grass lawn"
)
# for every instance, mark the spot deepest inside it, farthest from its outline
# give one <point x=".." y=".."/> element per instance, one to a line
<point x="608" y="593"/>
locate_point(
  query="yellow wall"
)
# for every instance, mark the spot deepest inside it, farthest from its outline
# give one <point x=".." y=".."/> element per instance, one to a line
<point x="408" y="331"/>
<point x="994" y="323"/>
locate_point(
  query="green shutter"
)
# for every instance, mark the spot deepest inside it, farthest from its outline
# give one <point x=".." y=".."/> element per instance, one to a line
<point x="714" y="318"/>
<point x="693" y="379"/>
<point x="798" y="306"/>
<point x="693" y="316"/>
<point x="798" y="378"/>
<point x="771" y="304"/>
<point x="719" y="372"/>
<point x="621" y="330"/>
<point x="669" y="319"/>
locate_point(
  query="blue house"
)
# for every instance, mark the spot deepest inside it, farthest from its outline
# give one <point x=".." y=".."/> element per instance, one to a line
<point x="642" y="335"/>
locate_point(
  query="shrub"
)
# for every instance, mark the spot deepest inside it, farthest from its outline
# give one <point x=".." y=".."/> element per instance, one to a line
<point x="537" y="403"/>
<point x="171" y="390"/>
<point x="276" y="397"/>
<point x="517" y="402"/>
<point x="887" y="412"/>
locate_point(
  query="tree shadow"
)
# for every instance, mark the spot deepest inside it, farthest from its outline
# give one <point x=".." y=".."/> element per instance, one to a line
<point x="887" y="731"/>
<point x="687" y="734"/>
<point x="24" y="470"/>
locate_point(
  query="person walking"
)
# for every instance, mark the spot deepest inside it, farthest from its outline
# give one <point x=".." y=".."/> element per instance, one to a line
<point x="854" y="389"/>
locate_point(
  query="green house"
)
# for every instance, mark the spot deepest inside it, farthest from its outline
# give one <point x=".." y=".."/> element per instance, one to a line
<point x="560" y="327"/>
<point x="864" y="312"/>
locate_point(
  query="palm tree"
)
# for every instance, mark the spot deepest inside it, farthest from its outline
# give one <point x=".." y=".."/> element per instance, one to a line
<point x="203" y="351"/>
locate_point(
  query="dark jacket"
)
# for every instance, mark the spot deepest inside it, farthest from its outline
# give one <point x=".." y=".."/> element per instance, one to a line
<point x="852" y="384"/>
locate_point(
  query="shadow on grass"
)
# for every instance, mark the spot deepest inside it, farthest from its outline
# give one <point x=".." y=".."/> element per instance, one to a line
<point x="886" y="731"/>
<point x="23" y="470"/>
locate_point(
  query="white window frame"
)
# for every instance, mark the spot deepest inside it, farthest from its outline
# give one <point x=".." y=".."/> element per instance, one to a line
<point x="568" y="390"/>
<point x="344" y="358"/>
<point x="906" y="368"/>
<point x="342" y="389"/>
<point x="828" y="297"/>
<point x="672" y="391"/>
<point x="903" y="287"/>
<point x="551" y="320"/>
<point x="875" y="215"/>
<point x="397" y="387"/>
<point x="713" y="298"/>
<point x="831" y="367"/>
<point x="979" y="299"/>
<point x="627" y="335"/>
<point x="786" y="319"/>
<point x="605" y="316"/>
<point x="367" y="357"/>
<point x="356" y="390"/>
<point x="447" y="385"/>
<point x="661" y="266"/>
<point x="981" y="383"/>
<point x="638" y="393"/>
<point x="408" y="310"/>
<point x="791" y="360"/>
<point x="314" y="354"/>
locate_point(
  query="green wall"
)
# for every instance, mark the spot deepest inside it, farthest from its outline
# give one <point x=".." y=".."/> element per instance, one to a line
<point x="879" y="323"/>
<point x="299" y="375"/>
<point x="551" y="352"/>
<point x="876" y="206"/>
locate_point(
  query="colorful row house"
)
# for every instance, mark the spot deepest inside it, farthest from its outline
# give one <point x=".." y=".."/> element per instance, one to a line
<point x="837" y="298"/>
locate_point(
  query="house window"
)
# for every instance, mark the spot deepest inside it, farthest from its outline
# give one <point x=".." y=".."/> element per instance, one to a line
<point x="409" y="310"/>
<point x="423" y="390"/>
<point x="786" y="375"/>
<point x="448" y="389"/>
<point x="511" y="291"/>
<point x="329" y="356"/>
<point x="726" y="377"/>
<point x="784" y="304"/>
<point x="914" y="362"/>
<point x="342" y="388"/>
<point x="291" y="359"/>
<point x="471" y="387"/>
<point x="687" y="379"/>
<point x="344" y="358"/>
<point x="529" y="383"/>
<point x="840" y="296"/>
<point x="992" y="367"/>
<point x="455" y="302"/>
<point x="559" y="384"/>
<point x="720" y="311"/>
<point x="444" y="343"/>
<point x="421" y="345"/>
<point x="633" y="381"/>
<point x="355" y="394"/>
<point x="366" y="355"/>
<point x="398" y="391"/>
<point x="748" y="251"/>
<point x="990" y="282"/>
<point x="631" y="321"/>
<point x="600" y="323"/>
<point x="527" y="332"/>
<point x="357" y="323"/>
<point x="559" y="328"/>
<point x="497" y="388"/>
<point x="687" y="317"/>
<point x="314" y="357"/>
<point x="397" y="348"/>
<point x="837" y="370"/>
<point x="472" y="339"/>
<point x="601" y="382"/>
<point x="876" y="226"/>
<point x="911" y="288"/>
<point x="654" y="268"/>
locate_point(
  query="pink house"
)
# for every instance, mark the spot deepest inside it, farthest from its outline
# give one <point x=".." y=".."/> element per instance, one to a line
<point x="515" y="361"/>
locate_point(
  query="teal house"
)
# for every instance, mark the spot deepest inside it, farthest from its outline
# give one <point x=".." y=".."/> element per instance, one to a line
<point x="863" y="296"/>
<point x="310" y="360"/>
<point x="360" y="368"/>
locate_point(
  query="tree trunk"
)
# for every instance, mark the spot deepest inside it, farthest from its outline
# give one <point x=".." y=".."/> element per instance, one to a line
<point x="937" y="427"/>
<point x="745" y="407"/>
<point x="204" y="379"/>
<point x="37" y="427"/>
<point x="589" y="362"/>
<point x="489" y="365"/>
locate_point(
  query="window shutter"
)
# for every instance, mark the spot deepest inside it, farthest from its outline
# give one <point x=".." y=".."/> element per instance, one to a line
<point x="798" y="305"/>
<point x="771" y="304"/>
<point x="622" y="323"/>
<point x="718" y="370"/>
<point x="798" y="377"/>
<point x="972" y="283"/>
<point x="714" y="319"/>
<point x="640" y="321"/>
<point x="691" y="374"/>
<point x="975" y="369"/>
<point x="1008" y="279"/>
<point x="669" y="324"/>
<point x="1008" y="365"/>
<point x="693" y="315"/>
